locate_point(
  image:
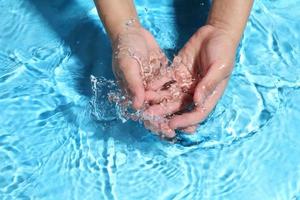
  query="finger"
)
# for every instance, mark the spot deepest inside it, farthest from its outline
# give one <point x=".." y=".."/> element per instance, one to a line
<point x="163" y="109"/>
<point x="188" y="119"/>
<point x="131" y="71"/>
<point x="200" y="112"/>
<point x="190" y="129"/>
<point x="169" y="106"/>
<point x="161" y="128"/>
<point x="152" y="126"/>
<point x="207" y="86"/>
<point x="157" y="97"/>
<point x="166" y="131"/>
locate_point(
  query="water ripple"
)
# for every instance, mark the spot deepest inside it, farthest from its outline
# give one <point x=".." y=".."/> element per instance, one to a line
<point x="13" y="26"/>
<point x="58" y="140"/>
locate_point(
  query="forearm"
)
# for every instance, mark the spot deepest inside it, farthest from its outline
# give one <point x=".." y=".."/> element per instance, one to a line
<point x="230" y="16"/>
<point x="115" y="13"/>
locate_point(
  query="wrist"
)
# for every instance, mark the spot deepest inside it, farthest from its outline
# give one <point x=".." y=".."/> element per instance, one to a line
<point x="122" y="27"/>
<point x="233" y="34"/>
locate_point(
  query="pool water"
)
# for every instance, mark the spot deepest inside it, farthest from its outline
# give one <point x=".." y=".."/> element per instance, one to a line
<point x="60" y="138"/>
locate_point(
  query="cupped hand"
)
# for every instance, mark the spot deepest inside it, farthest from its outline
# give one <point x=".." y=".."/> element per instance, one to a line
<point x="136" y="58"/>
<point x="200" y="74"/>
<point x="137" y="61"/>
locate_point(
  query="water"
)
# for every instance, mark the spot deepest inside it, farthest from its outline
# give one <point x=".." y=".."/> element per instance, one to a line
<point x="56" y="143"/>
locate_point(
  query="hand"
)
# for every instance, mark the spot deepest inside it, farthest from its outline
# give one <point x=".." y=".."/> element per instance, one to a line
<point x="137" y="61"/>
<point x="201" y="72"/>
<point x="137" y="57"/>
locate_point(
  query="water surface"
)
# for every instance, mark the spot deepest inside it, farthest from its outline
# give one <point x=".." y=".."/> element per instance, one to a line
<point x="57" y="143"/>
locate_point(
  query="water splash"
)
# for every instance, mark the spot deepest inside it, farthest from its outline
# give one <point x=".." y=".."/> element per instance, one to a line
<point x="105" y="92"/>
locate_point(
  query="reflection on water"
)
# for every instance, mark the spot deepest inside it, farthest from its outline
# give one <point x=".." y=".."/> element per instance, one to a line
<point x="60" y="141"/>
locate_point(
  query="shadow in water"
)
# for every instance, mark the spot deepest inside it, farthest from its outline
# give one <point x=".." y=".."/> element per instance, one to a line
<point x="189" y="16"/>
<point x="91" y="47"/>
<point x="88" y="43"/>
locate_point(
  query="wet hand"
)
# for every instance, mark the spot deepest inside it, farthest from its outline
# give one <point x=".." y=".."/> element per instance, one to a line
<point x="201" y="71"/>
<point x="135" y="50"/>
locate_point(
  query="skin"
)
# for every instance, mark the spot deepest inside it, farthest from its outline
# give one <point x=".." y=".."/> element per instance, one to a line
<point x="212" y="51"/>
<point x="209" y="55"/>
<point x="206" y="60"/>
<point x="133" y="37"/>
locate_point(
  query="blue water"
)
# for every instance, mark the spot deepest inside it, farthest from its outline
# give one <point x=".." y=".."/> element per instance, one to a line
<point x="61" y="139"/>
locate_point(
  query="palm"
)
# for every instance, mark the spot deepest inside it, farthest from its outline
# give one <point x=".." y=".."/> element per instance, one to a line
<point x="201" y="72"/>
<point x="137" y="61"/>
<point x="133" y="50"/>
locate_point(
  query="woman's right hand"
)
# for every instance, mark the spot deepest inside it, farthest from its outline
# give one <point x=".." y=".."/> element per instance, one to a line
<point x="137" y="62"/>
<point x="136" y="59"/>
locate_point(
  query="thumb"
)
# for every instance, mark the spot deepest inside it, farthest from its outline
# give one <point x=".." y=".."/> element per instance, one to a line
<point x="216" y="74"/>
